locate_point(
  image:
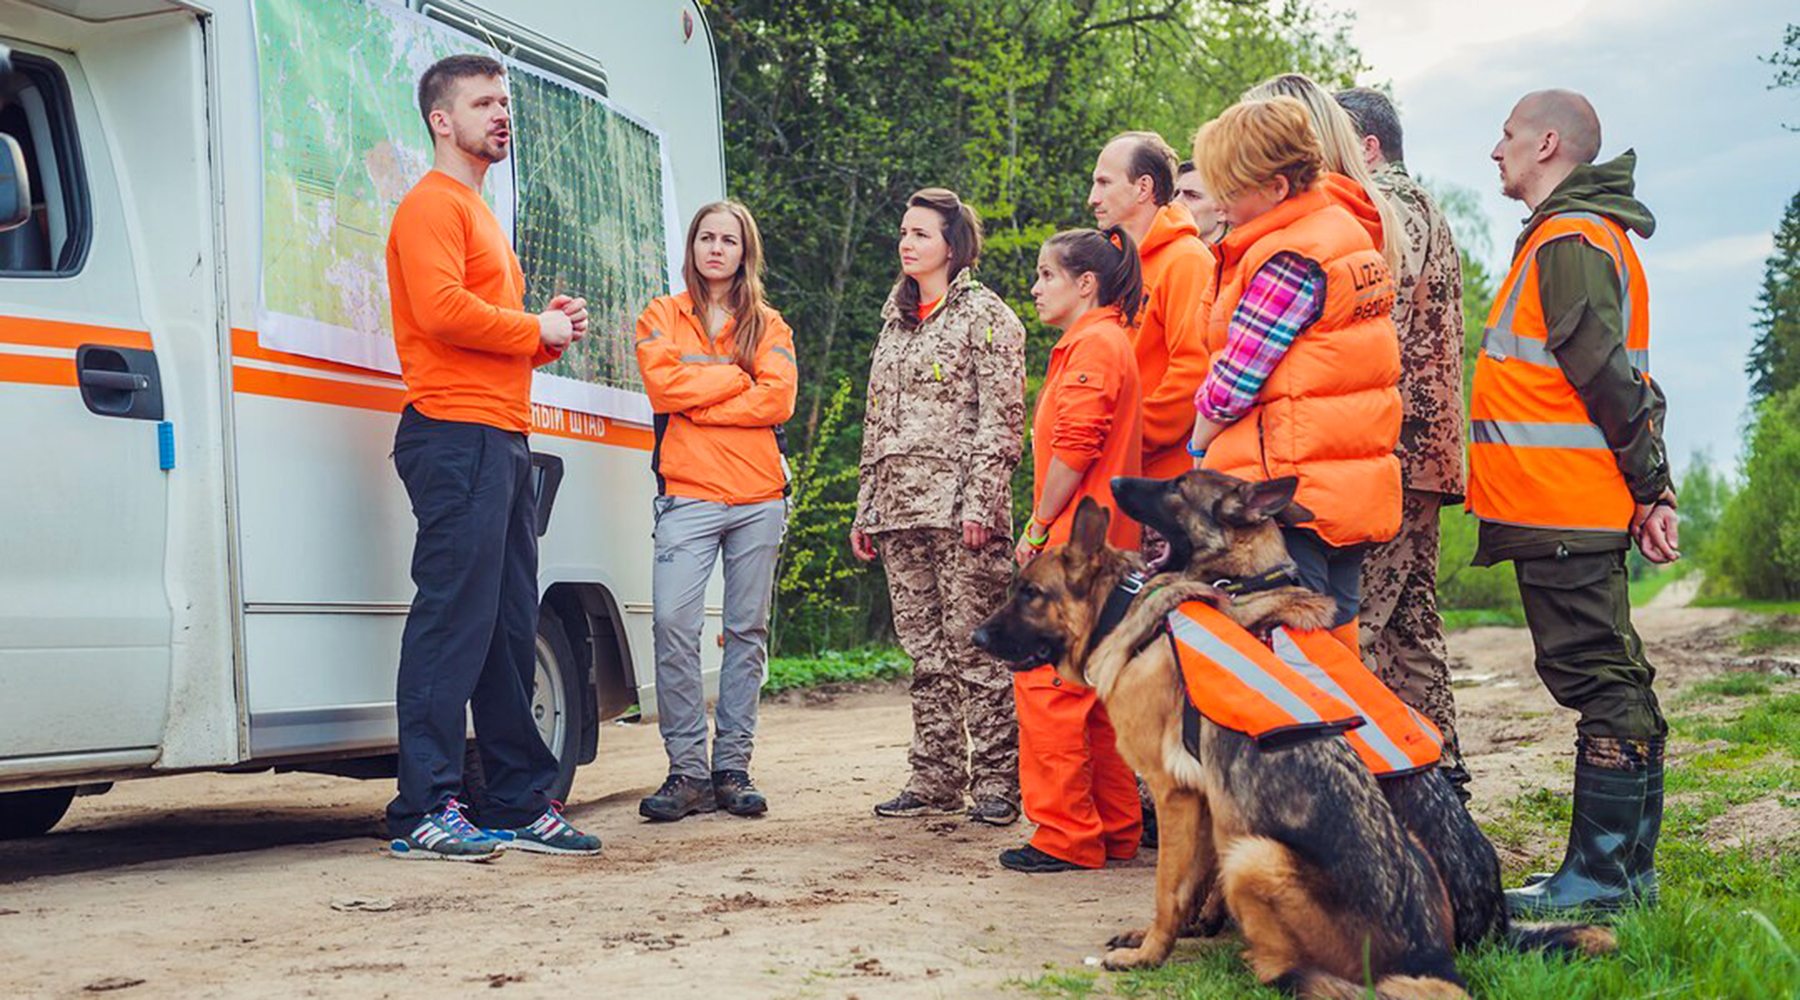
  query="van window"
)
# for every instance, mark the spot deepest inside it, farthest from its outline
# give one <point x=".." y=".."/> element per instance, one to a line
<point x="35" y="111"/>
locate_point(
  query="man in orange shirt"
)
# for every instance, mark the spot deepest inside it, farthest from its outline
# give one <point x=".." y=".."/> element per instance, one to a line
<point x="467" y="349"/>
<point x="1134" y="188"/>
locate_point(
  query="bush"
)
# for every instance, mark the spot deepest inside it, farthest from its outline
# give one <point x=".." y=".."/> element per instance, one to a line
<point x="1466" y="587"/>
<point x="1756" y="546"/>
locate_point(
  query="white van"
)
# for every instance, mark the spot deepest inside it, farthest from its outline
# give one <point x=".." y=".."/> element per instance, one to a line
<point x="203" y="542"/>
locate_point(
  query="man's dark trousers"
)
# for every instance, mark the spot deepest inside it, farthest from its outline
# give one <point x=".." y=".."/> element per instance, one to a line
<point x="470" y="638"/>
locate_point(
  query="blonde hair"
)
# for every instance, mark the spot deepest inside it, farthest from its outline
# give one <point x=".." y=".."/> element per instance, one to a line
<point x="1342" y="146"/>
<point x="1253" y="142"/>
<point x="744" y="300"/>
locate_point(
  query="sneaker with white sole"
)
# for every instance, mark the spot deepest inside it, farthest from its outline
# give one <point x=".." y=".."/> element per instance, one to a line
<point x="446" y="835"/>
<point x="551" y="833"/>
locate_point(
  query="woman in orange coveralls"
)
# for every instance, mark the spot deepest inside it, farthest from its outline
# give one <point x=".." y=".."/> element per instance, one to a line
<point x="1088" y="428"/>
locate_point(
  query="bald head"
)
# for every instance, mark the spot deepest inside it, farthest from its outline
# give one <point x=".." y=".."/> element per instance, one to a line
<point x="1567" y="114"/>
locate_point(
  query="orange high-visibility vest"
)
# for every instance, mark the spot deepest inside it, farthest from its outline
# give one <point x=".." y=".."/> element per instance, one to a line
<point x="1394" y="739"/>
<point x="1236" y="681"/>
<point x="1536" y="458"/>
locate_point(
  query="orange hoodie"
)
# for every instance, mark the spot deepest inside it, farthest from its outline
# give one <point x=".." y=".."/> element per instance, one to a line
<point x="1170" y="338"/>
<point x="1089" y="414"/>
<point x="1356" y="201"/>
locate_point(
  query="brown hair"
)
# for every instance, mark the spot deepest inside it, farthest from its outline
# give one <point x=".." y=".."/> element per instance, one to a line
<point x="439" y="81"/>
<point x="1153" y="157"/>
<point x="745" y="298"/>
<point x="1253" y="142"/>
<point x="962" y="231"/>
<point x="1109" y="255"/>
<point x="1341" y="144"/>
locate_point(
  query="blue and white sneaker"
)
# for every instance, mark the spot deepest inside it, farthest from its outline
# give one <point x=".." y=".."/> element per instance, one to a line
<point x="446" y="835"/>
<point x="552" y="834"/>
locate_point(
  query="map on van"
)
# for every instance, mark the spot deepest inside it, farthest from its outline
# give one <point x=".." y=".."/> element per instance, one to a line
<point x="585" y="195"/>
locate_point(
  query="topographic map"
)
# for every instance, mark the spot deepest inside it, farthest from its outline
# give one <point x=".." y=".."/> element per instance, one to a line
<point x="343" y="142"/>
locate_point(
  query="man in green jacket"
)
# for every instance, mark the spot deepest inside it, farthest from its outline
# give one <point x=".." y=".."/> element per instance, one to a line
<point x="1571" y="575"/>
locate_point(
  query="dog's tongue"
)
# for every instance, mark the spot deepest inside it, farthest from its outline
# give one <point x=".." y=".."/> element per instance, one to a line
<point x="1156" y="549"/>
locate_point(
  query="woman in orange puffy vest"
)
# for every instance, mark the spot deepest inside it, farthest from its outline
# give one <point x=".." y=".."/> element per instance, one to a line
<point x="1088" y="428"/>
<point x="718" y="365"/>
<point x="1305" y="355"/>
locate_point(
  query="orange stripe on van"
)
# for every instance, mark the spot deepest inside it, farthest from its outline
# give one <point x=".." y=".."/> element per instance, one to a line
<point x="306" y="389"/>
<point x="245" y="345"/>
<point x="31" y="332"/>
<point x="31" y="369"/>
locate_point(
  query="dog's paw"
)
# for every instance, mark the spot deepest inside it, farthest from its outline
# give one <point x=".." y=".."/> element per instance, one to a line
<point x="1127" y="939"/>
<point x="1120" y="959"/>
<point x="1208" y="921"/>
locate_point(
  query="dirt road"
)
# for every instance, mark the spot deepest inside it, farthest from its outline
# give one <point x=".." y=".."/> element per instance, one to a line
<point x="275" y="885"/>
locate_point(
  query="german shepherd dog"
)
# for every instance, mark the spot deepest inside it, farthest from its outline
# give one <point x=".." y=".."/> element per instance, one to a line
<point x="1299" y="844"/>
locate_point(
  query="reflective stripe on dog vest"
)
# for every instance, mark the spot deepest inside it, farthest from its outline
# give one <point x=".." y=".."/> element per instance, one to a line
<point x="1394" y="739"/>
<point x="1238" y="683"/>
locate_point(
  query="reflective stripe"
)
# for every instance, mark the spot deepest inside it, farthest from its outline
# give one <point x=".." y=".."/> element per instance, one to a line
<point x="1640" y="359"/>
<point x="1501" y="341"/>
<point x="1372" y="733"/>
<point x="784" y="352"/>
<point x="1504" y="344"/>
<point x="706" y="359"/>
<point x="1194" y="636"/>
<point x="652" y="336"/>
<point x="1619" y="265"/>
<point x="1521" y="434"/>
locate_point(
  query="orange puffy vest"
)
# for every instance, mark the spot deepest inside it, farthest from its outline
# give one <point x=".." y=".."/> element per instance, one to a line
<point x="1330" y="411"/>
<point x="1535" y="456"/>
<point x="1302" y="682"/>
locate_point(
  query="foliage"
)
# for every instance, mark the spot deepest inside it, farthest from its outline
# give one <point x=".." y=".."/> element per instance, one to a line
<point x="1774" y="362"/>
<point x="1757" y="545"/>
<point x="836" y="110"/>
<point x="869" y="663"/>
<point x="1786" y="61"/>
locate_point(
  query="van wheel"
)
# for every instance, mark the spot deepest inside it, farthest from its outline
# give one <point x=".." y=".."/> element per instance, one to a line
<point x="33" y="813"/>
<point x="556" y="701"/>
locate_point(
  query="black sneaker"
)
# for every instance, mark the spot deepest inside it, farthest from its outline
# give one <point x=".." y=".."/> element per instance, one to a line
<point x="994" y="812"/>
<point x="679" y="796"/>
<point x="906" y="805"/>
<point x="1032" y="861"/>
<point x="736" y="795"/>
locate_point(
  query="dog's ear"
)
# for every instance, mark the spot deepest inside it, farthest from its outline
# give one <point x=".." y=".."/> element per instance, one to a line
<point x="1273" y="498"/>
<point x="1091" y="522"/>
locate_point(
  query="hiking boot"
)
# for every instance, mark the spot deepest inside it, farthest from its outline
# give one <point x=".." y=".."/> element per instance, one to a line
<point x="994" y="812"/>
<point x="907" y="805"/>
<point x="679" y="796"/>
<point x="1032" y="861"/>
<point x="736" y="795"/>
<point x="446" y="835"/>
<point x="1603" y="831"/>
<point x="552" y="834"/>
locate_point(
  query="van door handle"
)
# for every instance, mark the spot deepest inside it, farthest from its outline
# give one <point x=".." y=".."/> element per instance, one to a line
<point x="115" y="381"/>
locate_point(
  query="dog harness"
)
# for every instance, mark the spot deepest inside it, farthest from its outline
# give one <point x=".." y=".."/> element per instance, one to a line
<point x="1301" y="685"/>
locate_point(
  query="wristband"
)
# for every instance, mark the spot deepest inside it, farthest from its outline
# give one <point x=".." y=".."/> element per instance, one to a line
<point x="1196" y="452"/>
<point x="1042" y="538"/>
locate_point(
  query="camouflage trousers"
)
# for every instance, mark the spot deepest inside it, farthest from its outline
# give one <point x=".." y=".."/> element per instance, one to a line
<point x="941" y="590"/>
<point x="1402" y="632"/>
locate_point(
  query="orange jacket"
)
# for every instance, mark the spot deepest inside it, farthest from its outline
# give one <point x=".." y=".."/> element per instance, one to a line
<point x="1089" y="414"/>
<point x="715" y="423"/>
<point x="466" y="344"/>
<point x="1536" y="458"/>
<point x="1329" y="413"/>
<point x="1170" y="337"/>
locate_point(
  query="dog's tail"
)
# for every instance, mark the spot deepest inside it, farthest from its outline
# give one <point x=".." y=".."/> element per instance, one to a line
<point x="1322" y="985"/>
<point x="1565" y="939"/>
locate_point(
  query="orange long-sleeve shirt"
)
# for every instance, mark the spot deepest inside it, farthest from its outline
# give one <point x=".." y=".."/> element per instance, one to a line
<point x="716" y="423"/>
<point x="466" y="344"/>
<point x="1170" y="338"/>
<point x="1090" y="415"/>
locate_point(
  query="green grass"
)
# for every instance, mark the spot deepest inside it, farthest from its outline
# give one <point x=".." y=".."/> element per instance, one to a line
<point x="871" y="663"/>
<point x="1728" y="926"/>
<point x="1461" y="618"/>
<point x="1645" y="588"/>
<point x="1769" y="638"/>
<point x="1745" y="604"/>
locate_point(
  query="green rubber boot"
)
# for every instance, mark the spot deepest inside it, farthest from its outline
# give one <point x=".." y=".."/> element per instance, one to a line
<point x="1603" y="833"/>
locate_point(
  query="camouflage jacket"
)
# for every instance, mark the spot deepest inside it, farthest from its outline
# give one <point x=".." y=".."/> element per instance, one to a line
<point x="946" y="415"/>
<point x="1428" y="314"/>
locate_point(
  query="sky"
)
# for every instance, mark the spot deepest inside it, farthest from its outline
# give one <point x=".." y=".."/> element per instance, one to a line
<point x="1679" y="82"/>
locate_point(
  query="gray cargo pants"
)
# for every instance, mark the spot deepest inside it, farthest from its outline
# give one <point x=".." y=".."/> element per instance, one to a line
<point x="690" y="534"/>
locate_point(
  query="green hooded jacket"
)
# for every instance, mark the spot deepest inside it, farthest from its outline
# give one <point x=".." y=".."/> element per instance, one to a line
<point x="1579" y="289"/>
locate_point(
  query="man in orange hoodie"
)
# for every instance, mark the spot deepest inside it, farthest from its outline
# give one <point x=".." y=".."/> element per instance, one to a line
<point x="1134" y="187"/>
<point x="467" y="349"/>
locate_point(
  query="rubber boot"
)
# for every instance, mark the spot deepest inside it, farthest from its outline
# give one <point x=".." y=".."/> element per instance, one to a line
<point x="1640" y="868"/>
<point x="1603" y="831"/>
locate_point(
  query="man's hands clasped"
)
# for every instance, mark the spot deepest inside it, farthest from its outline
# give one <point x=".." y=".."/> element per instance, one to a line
<point x="563" y="323"/>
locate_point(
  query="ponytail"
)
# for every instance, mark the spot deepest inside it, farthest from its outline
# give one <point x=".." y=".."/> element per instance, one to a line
<point x="1111" y="256"/>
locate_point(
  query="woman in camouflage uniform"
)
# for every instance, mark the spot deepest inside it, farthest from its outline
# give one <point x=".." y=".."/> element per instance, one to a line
<point x="941" y="435"/>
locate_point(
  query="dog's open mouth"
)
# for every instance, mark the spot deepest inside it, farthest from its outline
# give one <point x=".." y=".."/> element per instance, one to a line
<point x="1156" y="550"/>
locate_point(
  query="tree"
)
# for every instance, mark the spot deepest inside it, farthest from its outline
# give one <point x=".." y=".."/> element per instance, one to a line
<point x="1786" y="61"/>
<point x="1774" y="361"/>
<point x="1757" y="545"/>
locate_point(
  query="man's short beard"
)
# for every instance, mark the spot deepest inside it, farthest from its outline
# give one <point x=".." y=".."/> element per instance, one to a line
<point x="479" y="148"/>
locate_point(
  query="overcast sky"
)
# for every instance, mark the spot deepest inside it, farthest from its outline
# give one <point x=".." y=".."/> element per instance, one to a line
<point x="1680" y="83"/>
